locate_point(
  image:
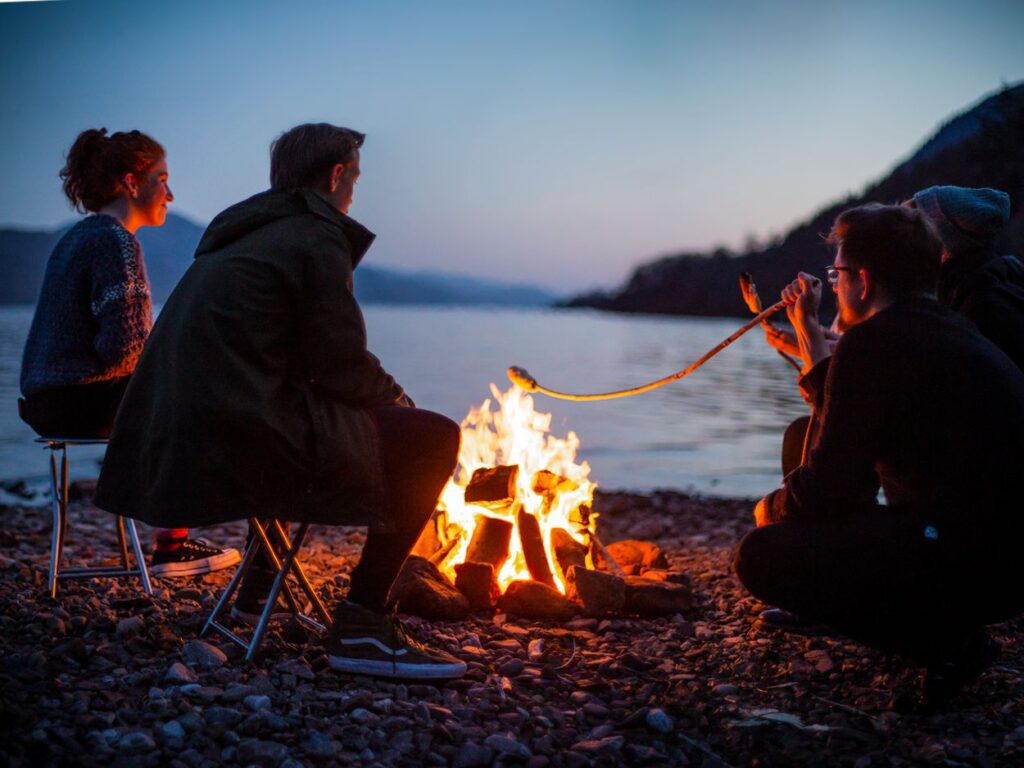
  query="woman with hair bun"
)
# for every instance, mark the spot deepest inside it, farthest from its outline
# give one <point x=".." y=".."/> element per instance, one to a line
<point x="95" y="312"/>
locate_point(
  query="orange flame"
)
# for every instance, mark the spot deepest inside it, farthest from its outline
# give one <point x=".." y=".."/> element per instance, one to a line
<point x="517" y="434"/>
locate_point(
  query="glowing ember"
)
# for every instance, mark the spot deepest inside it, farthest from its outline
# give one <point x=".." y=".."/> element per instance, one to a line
<point x="516" y="434"/>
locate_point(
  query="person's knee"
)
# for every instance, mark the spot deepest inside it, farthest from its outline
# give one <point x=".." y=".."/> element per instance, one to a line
<point x="449" y="440"/>
<point x="753" y="562"/>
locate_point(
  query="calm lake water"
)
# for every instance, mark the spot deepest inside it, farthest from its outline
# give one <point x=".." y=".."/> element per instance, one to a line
<point x="716" y="432"/>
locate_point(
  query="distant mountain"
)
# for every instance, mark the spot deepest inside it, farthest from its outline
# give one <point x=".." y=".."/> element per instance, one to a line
<point x="169" y="250"/>
<point x="981" y="147"/>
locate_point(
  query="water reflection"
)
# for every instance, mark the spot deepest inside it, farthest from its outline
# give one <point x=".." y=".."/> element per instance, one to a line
<point x="717" y="431"/>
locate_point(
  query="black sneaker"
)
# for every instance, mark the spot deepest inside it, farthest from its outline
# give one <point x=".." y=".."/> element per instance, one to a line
<point x="192" y="557"/>
<point x="251" y="598"/>
<point x="363" y="642"/>
<point x="787" y="621"/>
<point x="943" y="679"/>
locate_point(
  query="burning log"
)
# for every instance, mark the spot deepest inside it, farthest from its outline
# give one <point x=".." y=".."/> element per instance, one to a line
<point x="547" y="483"/>
<point x="635" y="557"/>
<point x="421" y="589"/>
<point x="430" y="540"/>
<point x="476" y="581"/>
<point x="533" y="600"/>
<point x="493" y="487"/>
<point x="532" y="539"/>
<point x="490" y="542"/>
<point x="647" y="597"/>
<point x="600" y="593"/>
<point x="568" y="551"/>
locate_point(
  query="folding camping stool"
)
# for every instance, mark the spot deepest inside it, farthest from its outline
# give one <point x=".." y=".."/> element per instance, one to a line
<point x="126" y="532"/>
<point x="264" y="531"/>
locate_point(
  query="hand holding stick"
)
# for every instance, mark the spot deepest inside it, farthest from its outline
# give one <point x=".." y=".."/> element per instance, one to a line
<point x="753" y="300"/>
<point x="522" y="379"/>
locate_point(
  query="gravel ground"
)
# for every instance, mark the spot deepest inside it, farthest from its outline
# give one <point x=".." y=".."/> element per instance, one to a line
<point x="107" y="676"/>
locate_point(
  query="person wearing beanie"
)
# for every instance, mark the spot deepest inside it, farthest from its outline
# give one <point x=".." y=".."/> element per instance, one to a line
<point x="986" y="288"/>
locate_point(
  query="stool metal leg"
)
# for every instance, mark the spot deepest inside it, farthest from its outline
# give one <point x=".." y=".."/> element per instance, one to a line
<point x="279" y="584"/>
<point x="140" y="558"/>
<point x="300" y="575"/>
<point x="122" y="542"/>
<point x="58" y="526"/>
<point x="229" y="590"/>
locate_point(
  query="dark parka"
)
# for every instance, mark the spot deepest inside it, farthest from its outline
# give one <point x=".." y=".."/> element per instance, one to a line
<point x="253" y="392"/>
<point x="989" y="291"/>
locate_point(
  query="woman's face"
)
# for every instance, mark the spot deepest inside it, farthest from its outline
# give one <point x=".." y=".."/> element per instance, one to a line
<point x="152" y="195"/>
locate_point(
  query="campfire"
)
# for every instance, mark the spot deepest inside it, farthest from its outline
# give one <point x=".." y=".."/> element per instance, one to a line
<point x="515" y="529"/>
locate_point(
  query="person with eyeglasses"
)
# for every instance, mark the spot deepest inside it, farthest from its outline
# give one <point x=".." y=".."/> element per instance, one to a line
<point x="912" y="399"/>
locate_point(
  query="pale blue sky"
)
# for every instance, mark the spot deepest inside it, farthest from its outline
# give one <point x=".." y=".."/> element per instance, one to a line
<point x="559" y="143"/>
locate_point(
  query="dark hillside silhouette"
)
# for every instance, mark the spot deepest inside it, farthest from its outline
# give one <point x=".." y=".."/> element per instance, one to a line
<point x="982" y="147"/>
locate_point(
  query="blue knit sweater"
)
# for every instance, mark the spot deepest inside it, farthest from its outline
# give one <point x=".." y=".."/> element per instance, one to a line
<point x="94" y="311"/>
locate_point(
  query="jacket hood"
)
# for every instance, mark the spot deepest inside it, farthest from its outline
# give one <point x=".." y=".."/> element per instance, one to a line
<point x="265" y="208"/>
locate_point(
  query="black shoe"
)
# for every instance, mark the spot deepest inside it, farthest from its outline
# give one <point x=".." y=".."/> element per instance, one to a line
<point x="944" y="678"/>
<point x="191" y="558"/>
<point x="251" y="598"/>
<point x="787" y="621"/>
<point x="364" y="642"/>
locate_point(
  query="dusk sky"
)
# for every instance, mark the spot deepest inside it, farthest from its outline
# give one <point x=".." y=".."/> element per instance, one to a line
<point x="557" y="143"/>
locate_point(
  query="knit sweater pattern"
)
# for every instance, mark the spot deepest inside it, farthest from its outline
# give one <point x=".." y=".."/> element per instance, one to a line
<point x="94" y="311"/>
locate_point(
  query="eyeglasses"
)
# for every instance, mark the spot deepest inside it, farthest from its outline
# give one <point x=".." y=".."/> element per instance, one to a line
<point x="832" y="272"/>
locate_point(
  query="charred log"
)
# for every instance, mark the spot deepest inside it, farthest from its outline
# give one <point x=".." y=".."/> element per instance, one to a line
<point x="532" y="540"/>
<point x="490" y="542"/>
<point x="476" y="581"/>
<point x="600" y="593"/>
<point x="568" y="552"/>
<point x="493" y="487"/>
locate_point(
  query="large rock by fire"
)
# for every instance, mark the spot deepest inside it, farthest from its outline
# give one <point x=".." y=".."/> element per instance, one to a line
<point x="533" y="600"/>
<point x="648" y="597"/>
<point x="422" y="590"/>
<point x="601" y="594"/>
<point x="635" y="557"/>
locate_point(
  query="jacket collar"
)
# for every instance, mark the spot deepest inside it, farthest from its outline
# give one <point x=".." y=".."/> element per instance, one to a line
<point x="359" y="237"/>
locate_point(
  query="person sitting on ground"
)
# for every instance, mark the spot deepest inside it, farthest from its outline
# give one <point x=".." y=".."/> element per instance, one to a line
<point x="256" y="395"/>
<point x="984" y="287"/>
<point x="910" y="400"/>
<point x="94" y="311"/>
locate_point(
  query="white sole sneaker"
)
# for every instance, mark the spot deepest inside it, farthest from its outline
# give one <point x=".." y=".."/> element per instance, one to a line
<point x="397" y="669"/>
<point x="225" y="559"/>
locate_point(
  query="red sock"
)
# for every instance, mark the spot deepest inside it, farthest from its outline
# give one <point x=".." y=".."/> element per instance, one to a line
<point x="169" y="539"/>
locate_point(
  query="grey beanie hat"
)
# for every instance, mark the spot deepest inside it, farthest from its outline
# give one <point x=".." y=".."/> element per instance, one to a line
<point x="966" y="218"/>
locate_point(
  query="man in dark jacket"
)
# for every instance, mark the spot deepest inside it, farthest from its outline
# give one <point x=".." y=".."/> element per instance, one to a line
<point x="910" y="400"/>
<point x="984" y="287"/>
<point x="256" y="396"/>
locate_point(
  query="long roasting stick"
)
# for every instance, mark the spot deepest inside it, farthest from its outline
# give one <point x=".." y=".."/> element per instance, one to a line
<point x="522" y="379"/>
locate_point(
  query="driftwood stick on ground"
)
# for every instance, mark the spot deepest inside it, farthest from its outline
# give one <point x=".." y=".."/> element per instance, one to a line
<point x="613" y="566"/>
<point x="532" y="540"/>
<point x="490" y="542"/>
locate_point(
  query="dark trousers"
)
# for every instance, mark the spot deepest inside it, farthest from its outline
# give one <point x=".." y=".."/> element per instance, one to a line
<point x="875" y="577"/>
<point x="418" y="453"/>
<point x="793" y="441"/>
<point x="85" y="411"/>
